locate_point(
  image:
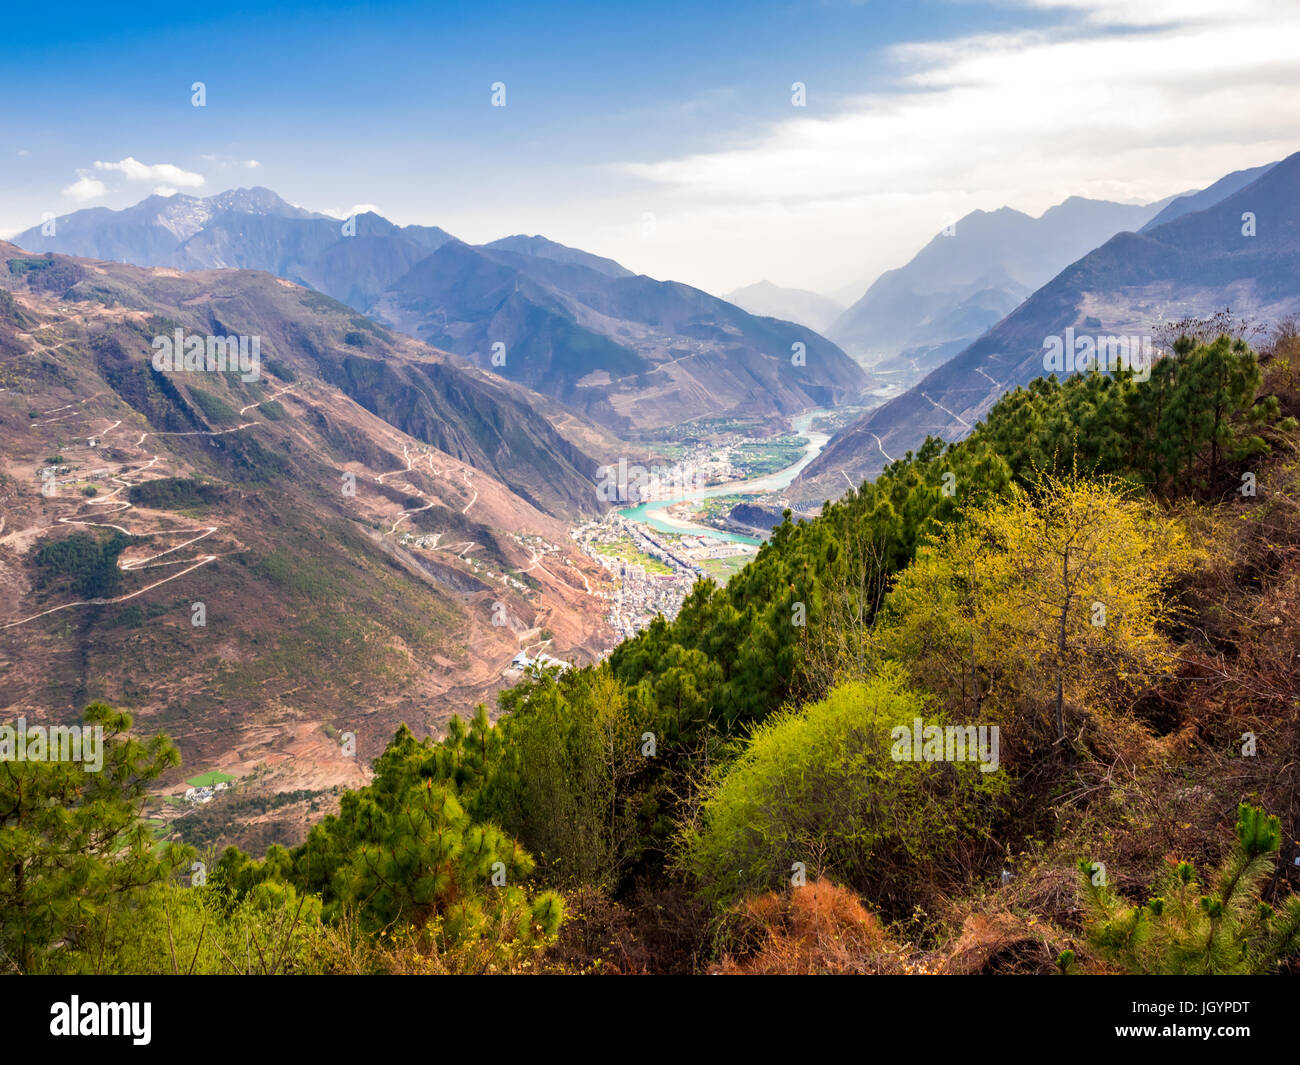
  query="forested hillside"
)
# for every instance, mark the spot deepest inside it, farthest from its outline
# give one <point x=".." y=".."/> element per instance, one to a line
<point x="1026" y="703"/>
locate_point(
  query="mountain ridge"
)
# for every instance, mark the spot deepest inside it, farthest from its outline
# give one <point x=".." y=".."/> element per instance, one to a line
<point x="1191" y="266"/>
<point x="630" y="352"/>
<point x="968" y="277"/>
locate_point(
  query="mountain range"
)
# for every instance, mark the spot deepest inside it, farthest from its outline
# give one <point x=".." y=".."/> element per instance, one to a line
<point x="1236" y="245"/>
<point x="969" y="276"/>
<point x="364" y="511"/>
<point x="625" y="350"/>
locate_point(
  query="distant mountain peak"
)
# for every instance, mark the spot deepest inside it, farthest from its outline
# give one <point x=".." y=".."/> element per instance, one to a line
<point x="790" y="304"/>
<point x="544" y="248"/>
<point x="920" y="313"/>
<point x="1191" y="265"/>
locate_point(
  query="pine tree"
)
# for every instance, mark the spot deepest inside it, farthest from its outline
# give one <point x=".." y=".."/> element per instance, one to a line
<point x="1220" y="928"/>
<point x="72" y="844"/>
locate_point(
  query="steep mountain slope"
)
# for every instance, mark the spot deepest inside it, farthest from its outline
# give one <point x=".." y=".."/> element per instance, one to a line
<point x="1208" y="196"/>
<point x="475" y="416"/>
<point x="791" y="304"/>
<point x="629" y="352"/>
<point x="1192" y="266"/>
<point x="560" y="253"/>
<point x="272" y="555"/>
<point x="913" y="318"/>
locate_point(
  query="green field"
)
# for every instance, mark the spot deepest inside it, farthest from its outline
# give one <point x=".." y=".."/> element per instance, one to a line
<point x="206" y="780"/>
<point x="716" y="509"/>
<point x="758" y="458"/>
<point x="625" y="549"/>
<point x="723" y="569"/>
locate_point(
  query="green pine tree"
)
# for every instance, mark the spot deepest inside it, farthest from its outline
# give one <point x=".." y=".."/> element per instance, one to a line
<point x="1220" y="928"/>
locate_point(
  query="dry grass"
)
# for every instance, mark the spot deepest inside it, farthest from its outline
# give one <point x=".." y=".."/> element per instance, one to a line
<point x="818" y="929"/>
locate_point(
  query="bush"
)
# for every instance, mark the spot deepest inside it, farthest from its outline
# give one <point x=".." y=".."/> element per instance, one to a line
<point x="817" y="930"/>
<point x="820" y="786"/>
<point x="215" y="409"/>
<point x="180" y="930"/>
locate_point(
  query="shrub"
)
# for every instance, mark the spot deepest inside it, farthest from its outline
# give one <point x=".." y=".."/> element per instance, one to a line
<point x="179" y="930"/>
<point x="817" y="930"/>
<point x="820" y="786"/>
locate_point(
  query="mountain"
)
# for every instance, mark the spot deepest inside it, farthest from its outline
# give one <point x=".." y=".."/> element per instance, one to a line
<point x="635" y="354"/>
<point x="370" y="525"/>
<point x="629" y="352"/>
<point x="150" y="231"/>
<point x="435" y="397"/>
<point x="850" y="292"/>
<point x="792" y="304"/>
<point x="916" y="317"/>
<point x="542" y="248"/>
<point x="1207" y="197"/>
<point x="248" y="229"/>
<point x="1192" y="266"/>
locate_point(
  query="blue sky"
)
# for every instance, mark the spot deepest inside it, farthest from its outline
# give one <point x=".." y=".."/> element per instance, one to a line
<point x="666" y="136"/>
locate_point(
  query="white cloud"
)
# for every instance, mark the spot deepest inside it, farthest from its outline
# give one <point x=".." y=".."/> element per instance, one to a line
<point x="251" y="164"/>
<point x="164" y="190"/>
<point x="85" y="188"/>
<point x="134" y="170"/>
<point x="1113" y="104"/>
<point x="23" y="153"/>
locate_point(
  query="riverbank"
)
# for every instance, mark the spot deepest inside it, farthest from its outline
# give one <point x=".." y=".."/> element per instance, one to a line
<point x="673" y="515"/>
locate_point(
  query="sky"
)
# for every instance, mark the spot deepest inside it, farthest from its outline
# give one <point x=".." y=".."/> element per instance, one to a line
<point x="669" y="136"/>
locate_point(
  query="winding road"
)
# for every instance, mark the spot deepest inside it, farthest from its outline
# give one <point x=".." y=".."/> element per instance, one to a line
<point x="149" y="561"/>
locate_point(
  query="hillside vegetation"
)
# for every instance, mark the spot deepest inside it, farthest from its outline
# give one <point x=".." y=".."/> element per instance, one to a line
<point x="1094" y="594"/>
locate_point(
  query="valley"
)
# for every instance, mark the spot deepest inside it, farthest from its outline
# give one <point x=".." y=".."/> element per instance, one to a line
<point x="371" y="513"/>
<point x="655" y="550"/>
<point x="277" y="562"/>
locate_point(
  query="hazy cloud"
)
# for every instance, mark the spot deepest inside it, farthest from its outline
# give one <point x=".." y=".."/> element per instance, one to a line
<point x="224" y="162"/>
<point x="1117" y="104"/>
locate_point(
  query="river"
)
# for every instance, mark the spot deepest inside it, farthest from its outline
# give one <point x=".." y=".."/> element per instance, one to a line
<point x="650" y="513"/>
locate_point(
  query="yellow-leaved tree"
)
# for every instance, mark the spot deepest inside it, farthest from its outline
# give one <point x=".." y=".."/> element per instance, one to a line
<point x="1039" y="607"/>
